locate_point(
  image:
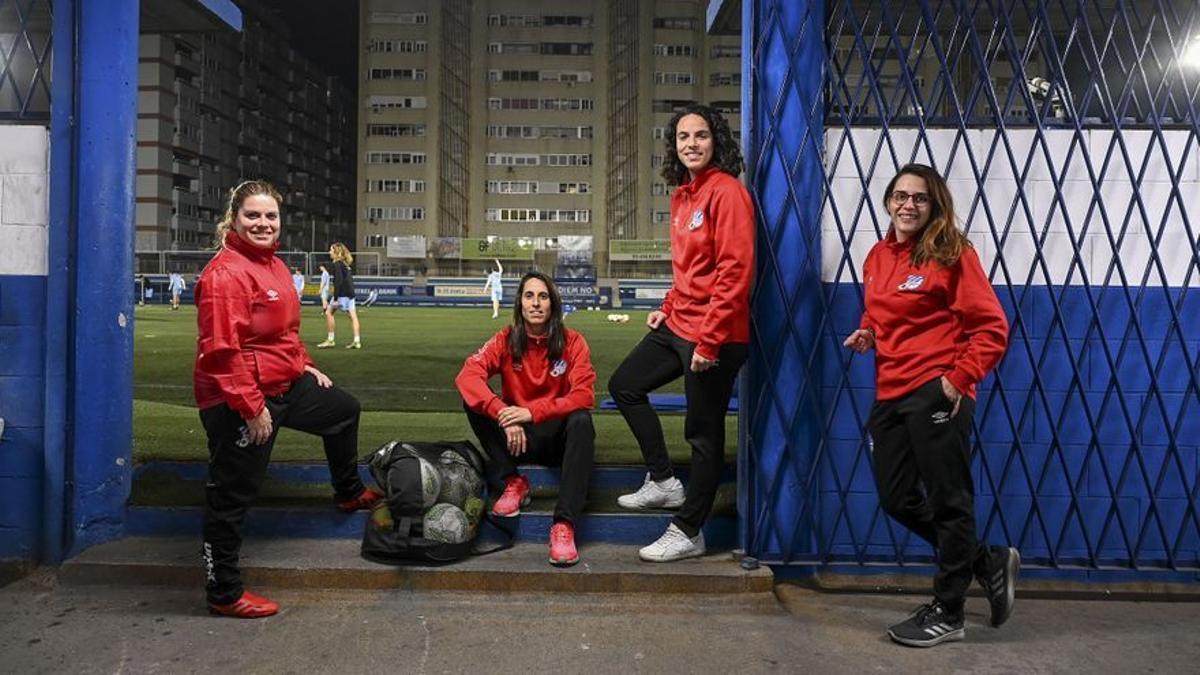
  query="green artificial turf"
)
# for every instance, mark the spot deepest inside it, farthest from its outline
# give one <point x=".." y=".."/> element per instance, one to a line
<point x="404" y="377"/>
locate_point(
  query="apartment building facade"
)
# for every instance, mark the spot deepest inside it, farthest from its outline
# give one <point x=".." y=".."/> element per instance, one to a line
<point x="218" y="108"/>
<point x="527" y="120"/>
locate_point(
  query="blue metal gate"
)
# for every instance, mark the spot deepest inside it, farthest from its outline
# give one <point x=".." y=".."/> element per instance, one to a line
<point x="1070" y="135"/>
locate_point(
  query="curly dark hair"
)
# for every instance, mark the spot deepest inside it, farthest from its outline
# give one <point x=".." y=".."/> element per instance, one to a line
<point x="727" y="156"/>
<point x="556" y="332"/>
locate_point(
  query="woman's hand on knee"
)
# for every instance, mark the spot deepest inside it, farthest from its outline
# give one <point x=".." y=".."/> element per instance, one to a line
<point x="654" y="319"/>
<point x="516" y="440"/>
<point x="322" y="379"/>
<point x="259" y="428"/>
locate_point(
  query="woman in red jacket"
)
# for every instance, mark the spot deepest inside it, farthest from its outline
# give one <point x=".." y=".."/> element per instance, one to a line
<point x="701" y="330"/>
<point x="542" y="413"/>
<point x="937" y="329"/>
<point x="253" y="376"/>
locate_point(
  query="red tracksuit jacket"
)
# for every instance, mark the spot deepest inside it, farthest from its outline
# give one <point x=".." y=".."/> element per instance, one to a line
<point x="930" y="321"/>
<point x="549" y="390"/>
<point x="712" y="262"/>
<point x="248" y="345"/>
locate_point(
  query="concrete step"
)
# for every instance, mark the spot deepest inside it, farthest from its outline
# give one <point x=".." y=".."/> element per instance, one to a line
<point x="326" y="522"/>
<point x="168" y="497"/>
<point x="336" y="564"/>
<point x="311" y="473"/>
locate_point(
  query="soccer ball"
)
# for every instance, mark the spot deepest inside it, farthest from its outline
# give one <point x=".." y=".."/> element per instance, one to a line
<point x="431" y="483"/>
<point x="459" y="480"/>
<point x="622" y="318"/>
<point x="446" y="523"/>
<point x="474" y="510"/>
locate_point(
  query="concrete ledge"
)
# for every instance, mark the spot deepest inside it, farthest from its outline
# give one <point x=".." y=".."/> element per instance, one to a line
<point x="1028" y="586"/>
<point x="336" y="564"/>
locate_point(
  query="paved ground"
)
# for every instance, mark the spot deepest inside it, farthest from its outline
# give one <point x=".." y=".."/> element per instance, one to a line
<point x="45" y="627"/>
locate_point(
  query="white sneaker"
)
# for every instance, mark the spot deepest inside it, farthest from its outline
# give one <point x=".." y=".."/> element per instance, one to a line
<point x="653" y="494"/>
<point x="673" y="545"/>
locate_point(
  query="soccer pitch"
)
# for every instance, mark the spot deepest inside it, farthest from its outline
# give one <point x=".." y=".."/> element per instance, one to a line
<point x="403" y="375"/>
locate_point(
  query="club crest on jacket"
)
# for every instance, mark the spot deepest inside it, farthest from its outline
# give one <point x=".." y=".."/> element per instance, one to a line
<point x="912" y="283"/>
<point x="560" y="367"/>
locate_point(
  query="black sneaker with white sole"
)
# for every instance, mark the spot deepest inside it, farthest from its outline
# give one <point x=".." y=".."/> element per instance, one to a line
<point x="929" y="625"/>
<point x="1000" y="583"/>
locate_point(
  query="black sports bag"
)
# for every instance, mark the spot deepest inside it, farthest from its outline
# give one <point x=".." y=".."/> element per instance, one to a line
<point x="433" y="504"/>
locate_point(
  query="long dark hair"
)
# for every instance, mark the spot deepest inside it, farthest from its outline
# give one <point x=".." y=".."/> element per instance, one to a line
<point x="727" y="156"/>
<point x="940" y="240"/>
<point x="556" y="333"/>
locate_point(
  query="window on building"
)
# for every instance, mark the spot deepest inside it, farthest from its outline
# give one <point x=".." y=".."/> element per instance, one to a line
<point x="379" y="104"/>
<point x="395" y="158"/>
<point x="673" y="50"/>
<point x="395" y="185"/>
<point x="514" y="20"/>
<point x="725" y="52"/>
<point x="411" y="74"/>
<point x="513" y="48"/>
<point x="568" y="21"/>
<point x="566" y="48"/>
<point x="676" y="23"/>
<point x="660" y="189"/>
<point x="375" y="213"/>
<point x="511" y="159"/>
<point x="373" y="241"/>
<point x="395" y="129"/>
<point x="512" y="104"/>
<point x="567" y="160"/>
<point x="567" y="104"/>
<point x="513" y="76"/>
<point x="398" y="46"/>
<point x="410" y="18"/>
<point x="724" y="79"/>
<point x="661" y="77"/>
<point x="512" y="187"/>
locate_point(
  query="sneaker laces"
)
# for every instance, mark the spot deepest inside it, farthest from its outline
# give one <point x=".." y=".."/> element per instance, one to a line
<point x="512" y="488"/>
<point x="673" y="535"/>
<point x="560" y="533"/>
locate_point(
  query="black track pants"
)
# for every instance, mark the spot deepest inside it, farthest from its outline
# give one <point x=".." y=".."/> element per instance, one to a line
<point x="568" y="442"/>
<point x="236" y="468"/>
<point x="922" y="460"/>
<point x="663" y="356"/>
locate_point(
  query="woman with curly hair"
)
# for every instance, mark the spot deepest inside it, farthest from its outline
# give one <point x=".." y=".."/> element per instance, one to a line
<point x="343" y="291"/>
<point x="937" y="329"/>
<point x="701" y="330"/>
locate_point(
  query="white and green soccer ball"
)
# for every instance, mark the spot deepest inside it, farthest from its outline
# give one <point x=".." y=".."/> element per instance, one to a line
<point x="446" y="523"/>
<point x="459" y="480"/>
<point x="431" y="483"/>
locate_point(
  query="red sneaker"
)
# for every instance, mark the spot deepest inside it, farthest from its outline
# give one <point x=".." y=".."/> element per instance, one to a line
<point x="365" y="500"/>
<point x="562" y="545"/>
<point x="249" y="606"/>
<point x="515" y="495"/>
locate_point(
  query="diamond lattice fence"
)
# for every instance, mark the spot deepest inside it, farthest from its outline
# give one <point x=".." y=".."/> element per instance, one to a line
<point x="1070" y="135"/>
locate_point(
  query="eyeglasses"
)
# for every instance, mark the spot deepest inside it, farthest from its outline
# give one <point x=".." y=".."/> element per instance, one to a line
<point x="918" y="198"/>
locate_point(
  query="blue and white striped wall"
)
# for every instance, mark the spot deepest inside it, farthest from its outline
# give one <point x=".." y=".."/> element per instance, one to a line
<point x="1087" y="434"/>
<point x="24" y="215"/>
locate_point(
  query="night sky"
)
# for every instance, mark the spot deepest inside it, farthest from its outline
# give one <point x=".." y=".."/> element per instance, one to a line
<point x="325" y="31"/>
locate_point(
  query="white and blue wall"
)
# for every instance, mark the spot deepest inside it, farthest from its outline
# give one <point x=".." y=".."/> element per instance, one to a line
<point x="24" y="217"/>
<point x="1086" y="436"/>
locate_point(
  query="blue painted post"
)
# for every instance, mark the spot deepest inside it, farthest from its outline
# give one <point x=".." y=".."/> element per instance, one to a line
<point x="784" y="164"/>
<point x="103" y="307"/>
<point x="58" y="415"/>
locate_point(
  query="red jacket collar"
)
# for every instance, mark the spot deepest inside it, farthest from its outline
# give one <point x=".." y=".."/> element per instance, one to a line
<point x="895" y="244"/>
<point x="233" y="241"/>
<point x="693" y="185"/>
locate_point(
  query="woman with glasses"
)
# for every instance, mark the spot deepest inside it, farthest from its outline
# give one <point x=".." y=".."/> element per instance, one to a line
<point x="937" y="329"/>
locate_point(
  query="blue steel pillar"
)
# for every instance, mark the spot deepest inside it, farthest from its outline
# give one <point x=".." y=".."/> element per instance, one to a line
<point x="101" y="368"/>
<point x="784" y="106"/>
